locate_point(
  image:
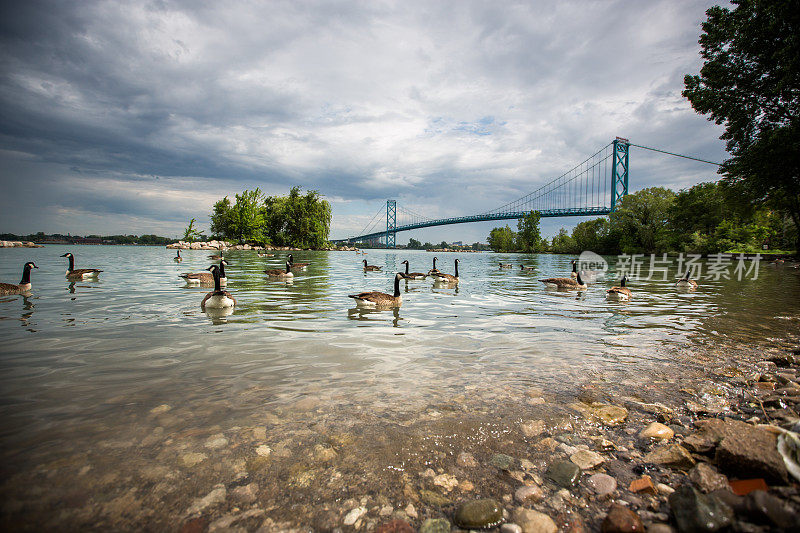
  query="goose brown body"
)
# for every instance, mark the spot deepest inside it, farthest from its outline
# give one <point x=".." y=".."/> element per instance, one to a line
<point x="411" y="275"/>
<point x="380" y="299"/>
<point x="8" y="289"/>
<point x="434" y="270"/>
<point x="205" y="277"/>
<point x="686" y="283"/>
<point x="297" y="265"/>
<point x="79" y="273"/>
<point x="565" y="283"/>
<point x="619" y="293"/>
<point x="441" y="277"/>
<point x="371" y="268"/>
<point x="278" y="273"/>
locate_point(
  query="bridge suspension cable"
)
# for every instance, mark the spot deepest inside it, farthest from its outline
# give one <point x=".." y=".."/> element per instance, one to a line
<point x="676" y="155"/>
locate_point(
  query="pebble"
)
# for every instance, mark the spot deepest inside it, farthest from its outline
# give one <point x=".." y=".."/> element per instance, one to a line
<point x="446" y="481"/>
<point x="620" y="519"/>
<point x="564" y="473"/>
<point x="467" y="460"/>
<point x="510" y="528"/>
<point x="477" y="514"/>
<point x="217" y="441"/>
<point x="657" y="431"/>
<point x="264" y="450"/>
<point x="586" y="460"/>
<point x="395" y="526"/>
<point x="602" y="484"/>
<point x="411" y="511"/>
<point x="354" y="514"/>
<point x="673" y="455"/>
<point x="643" y="484"/>
<point x="528" y="494"/>
<point x="246" y="493"/>
<point x="214" y="497"/>
<point x="767" y="509"/>
<point x="260" y="433"/>
<point x="532" y="428"/>
<point x="707" y="478"/>
<point x="610" y="415"/>
<point x="695" y="511"/>
<point x="435" y="525"/>
<point x="163" y="408"/>
<point x="386" y="510"/>
<point x="193" y="458"/>
<point x="502" y="461"/>
<point x="531" y="521"/>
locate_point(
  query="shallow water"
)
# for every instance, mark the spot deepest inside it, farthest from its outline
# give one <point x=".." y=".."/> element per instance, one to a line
<point x="84" y="362"/>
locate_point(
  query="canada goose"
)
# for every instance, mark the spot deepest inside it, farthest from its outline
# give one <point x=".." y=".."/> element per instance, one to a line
<point x="447" y="278"/>
<point x="217" y="299"/>
<point x="506" y="265"/>
<point x="216" y="257"/>
<point x="523" y="267"/>
<point x="81" y="273"/>
<point x="370" y="268"/>
<point x="205" y="277"/>
<point x="265" y="255"/>
<point x="380" y="299"/>
<point x="434" y="270"/>
<point x="178" y="257"/>
<point x="574" y="272"/>
<point x="411" y="275"/>
<point x="277" y="273"/>
<point x="7" y="289"/>
<point x="686" y="283"/>
<point x="565" y="283"/>
<point x="297" y="265"/>
<point x="619" y="293"/>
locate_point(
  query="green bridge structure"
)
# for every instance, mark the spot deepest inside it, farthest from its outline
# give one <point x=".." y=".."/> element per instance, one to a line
<point x="594" y="187"/>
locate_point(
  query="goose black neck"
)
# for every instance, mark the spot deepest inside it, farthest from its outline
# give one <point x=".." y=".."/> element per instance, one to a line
<point x="288" y="267"/>
<point x="686" y="277"/>
<point x="574" y="267"/>
<point x="406" y="268"/>
<point x="456" y="268"/>
<point x="221" y="269"/>
<point x="396" y="286"/>
<point x="578" y="277"/>
<point x="71" y="262"/>
<point x="624" y="281"/>
<point x="215" y="273"/>
<point x="434" y="263"/>
<point x="291" y="259"/>
<point x="26" y="275"/>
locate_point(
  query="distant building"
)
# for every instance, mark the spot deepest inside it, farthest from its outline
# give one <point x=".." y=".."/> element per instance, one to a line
<point x="457" y="243"/>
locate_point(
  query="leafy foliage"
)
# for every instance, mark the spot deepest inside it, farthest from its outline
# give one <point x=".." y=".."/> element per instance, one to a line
<point x="750" y="82"/>
<point x="529" y="238"/>
<point x="191" y="234"/>
<point x="503" y="239"/>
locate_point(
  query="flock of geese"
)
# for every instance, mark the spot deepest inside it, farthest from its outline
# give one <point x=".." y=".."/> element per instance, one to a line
<point x="220" y="298"/>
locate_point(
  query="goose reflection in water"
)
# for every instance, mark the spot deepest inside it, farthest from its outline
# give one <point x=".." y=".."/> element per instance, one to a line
<point x="219" y="315"/>
<point x="374" y="315"/>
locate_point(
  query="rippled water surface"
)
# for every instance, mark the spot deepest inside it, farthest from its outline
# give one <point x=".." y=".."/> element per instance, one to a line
<point x="91" y="360"/>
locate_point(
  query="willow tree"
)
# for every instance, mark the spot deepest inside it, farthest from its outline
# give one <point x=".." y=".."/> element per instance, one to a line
<point x="297" y="220"/>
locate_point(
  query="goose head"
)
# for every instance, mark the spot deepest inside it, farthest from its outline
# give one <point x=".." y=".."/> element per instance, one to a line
<point x="67" y="255"/>
<point x="29" y="265"/>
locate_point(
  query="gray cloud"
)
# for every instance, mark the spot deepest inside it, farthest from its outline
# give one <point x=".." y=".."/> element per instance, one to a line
<point x="450" y="107"/>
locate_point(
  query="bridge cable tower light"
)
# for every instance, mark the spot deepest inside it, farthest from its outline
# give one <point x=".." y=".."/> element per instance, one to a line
<point x="619" y="170"/>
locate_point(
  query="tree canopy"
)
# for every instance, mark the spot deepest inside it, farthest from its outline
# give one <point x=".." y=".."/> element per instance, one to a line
<point x="750" y="83"/>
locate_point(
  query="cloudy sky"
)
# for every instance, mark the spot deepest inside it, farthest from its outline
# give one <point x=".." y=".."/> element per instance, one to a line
<point x="133" y="117"/>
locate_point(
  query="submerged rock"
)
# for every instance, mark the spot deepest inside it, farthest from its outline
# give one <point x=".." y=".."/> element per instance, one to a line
<point x="564" y="473"/>
<point x="602" y="484"/>
<point x="215" y="497"/>
<point x="479" y="514"/>
<point x="621" y="520"/>
<point x="657" y="431"/>
<point x="528" y="494"/>
<point x="396" y="526"/>
<point x="586" y="459"/>
<point x="707" y="478"/>
<point x="502" y="461"/>
<point x="435" y="525"/>
<point x="610" y="415"/>
<point x="354" y="514"/>
<point x="697" y="512"/>
<point x="764" y="508"/>
<point x="531" y="521"/>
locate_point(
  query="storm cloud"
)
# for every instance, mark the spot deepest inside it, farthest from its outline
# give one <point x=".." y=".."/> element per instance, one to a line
<point x="136" y="116"/>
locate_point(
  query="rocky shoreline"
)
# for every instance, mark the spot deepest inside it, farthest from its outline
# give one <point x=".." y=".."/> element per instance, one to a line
<point x="19" y="244"/>
<point x="222" y="245"/>
<point x="663" y="452"/>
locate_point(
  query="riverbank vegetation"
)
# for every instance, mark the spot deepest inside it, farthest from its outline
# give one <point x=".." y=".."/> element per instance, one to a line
<point x="708" y="218"/>
<point x="58" y="238"/>
<point x="297" y="220"/>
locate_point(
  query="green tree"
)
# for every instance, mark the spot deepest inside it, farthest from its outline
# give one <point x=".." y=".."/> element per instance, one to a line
<point x="750" y="82"/>
<point x="502" y="239"/>
<point x="592" y="235"/>
<point x="640" y="220"/>
<point x="563" y="243"/>
<point x="414" y="244"/>
<point x="301" y="221"/>
<point x="529" y="237"/>
<point x="247" y="217"/>
<point x="190" y="234"/>
<point x="221" y="218"/>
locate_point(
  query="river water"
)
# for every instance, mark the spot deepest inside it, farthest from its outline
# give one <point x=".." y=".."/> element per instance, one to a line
<point x="93" y="374"/>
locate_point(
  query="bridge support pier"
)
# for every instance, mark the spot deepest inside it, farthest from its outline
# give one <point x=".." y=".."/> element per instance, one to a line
<point x="391" y="223"/>
<point x="619" y="170"/>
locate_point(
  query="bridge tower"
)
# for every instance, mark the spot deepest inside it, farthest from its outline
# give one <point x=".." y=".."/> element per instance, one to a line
<point x="619" y="170"/>
<point x="391" y="222"/>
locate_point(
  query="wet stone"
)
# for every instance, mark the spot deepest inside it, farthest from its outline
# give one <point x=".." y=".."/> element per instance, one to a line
<point x="564" y="473"/>
<point x="602" y="484"/>
<point x="510" y="528"/>
<point x="354" y="514"/>
<point x="435" y="525"/>
<point x="479" y="514"/>
<point x="673" y="455"/>
<point x="767" y="509"/>
<point x="466" y="459"/>
<point x="502" y="461"/>
<point x="695" y="511"/>
<point x="528" y="494"/>
<point x="749" y="451"/>
<point x="657" y="431"/>
<point x="707" y="478"/>
<point x="532" y="428"/>
<point x="620" y="519"/>
<point x="586" y="460"/>
<point x="531" y="521"/>
<point x="433" y="498"/>
<point x="395" y="526"/>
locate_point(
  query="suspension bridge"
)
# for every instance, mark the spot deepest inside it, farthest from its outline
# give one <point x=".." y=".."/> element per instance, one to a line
<point x="593" y="187"/>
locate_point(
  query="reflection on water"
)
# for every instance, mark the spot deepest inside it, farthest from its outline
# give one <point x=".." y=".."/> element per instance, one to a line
<point x="91" y="351"/>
